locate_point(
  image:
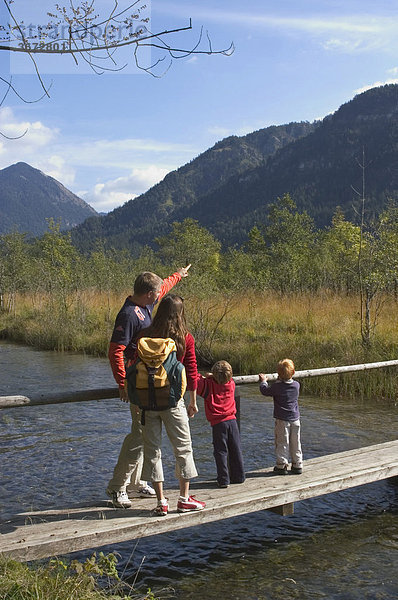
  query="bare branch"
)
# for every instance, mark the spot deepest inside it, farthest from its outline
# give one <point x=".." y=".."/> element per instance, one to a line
<point x="43" y="50"/>
<point x="76" y="30"/>
<point x="29" y="53"/>
<point x="10" y="86"/>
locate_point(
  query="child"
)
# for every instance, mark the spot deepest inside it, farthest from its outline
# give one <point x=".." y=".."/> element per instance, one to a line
<point x="218" y="391"/>
<point x="285" y="393"/>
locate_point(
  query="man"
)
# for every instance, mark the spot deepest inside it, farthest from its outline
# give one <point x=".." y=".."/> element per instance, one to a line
<point x="135" y="314"/>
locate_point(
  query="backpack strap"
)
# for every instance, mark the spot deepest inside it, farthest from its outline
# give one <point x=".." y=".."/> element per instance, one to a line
<point x="131" y="375"/>
<point x="151" y="387"/>
<point x="174" y="369"/>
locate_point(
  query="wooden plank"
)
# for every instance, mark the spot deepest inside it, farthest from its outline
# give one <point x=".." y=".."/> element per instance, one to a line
<point x="34" y="535"/>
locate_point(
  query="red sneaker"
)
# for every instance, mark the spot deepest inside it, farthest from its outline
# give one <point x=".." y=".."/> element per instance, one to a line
<point x="190" y="505"/>
<point x="161" y="510"/>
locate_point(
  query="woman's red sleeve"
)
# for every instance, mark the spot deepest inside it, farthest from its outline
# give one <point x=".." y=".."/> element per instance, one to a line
<point x="189" y="362"/>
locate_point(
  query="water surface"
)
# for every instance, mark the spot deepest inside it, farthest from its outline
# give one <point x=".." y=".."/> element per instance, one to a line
<point x="342" y="545"/>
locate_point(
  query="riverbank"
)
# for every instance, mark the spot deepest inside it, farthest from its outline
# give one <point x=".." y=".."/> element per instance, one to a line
<point x="253" y="332"/>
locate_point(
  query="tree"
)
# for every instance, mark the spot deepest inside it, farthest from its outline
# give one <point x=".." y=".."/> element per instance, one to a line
<point x="290" y="237"/>
<point x="14" y="268"/>
<point x="59" y="266"/>
<point x="377" y="264"/>
<point x="339" y="247"/>
<point x="258" y="251"/>
<point x="86" y="33"/>
<point x="189" y="242"/>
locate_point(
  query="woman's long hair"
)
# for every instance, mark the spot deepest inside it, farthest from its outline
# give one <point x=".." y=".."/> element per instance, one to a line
<point x="169" y="322"/>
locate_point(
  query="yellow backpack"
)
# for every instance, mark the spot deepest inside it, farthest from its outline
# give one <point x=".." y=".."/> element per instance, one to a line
<point x="156" y="380"/>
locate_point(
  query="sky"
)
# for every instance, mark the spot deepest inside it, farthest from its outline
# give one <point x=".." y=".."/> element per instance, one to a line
<point x="109" y="137"/>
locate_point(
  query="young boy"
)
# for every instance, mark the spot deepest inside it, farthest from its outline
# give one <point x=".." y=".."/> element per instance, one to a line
<point x="285" y="392"/>
<point x="218" y="391"/>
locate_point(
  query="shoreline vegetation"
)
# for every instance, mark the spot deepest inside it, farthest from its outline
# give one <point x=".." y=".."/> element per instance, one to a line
<point x="252" y="331"/>
<point x="94" y="579"/>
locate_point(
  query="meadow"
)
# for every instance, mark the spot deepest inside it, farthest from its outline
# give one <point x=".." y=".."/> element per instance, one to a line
<point x="252" y="331"/>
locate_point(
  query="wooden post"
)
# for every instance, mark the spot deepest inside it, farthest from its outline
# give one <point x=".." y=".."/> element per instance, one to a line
<point x="284" y="510"/>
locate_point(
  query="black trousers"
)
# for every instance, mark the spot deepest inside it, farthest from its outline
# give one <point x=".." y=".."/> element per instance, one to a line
<point x="228" y="453"/>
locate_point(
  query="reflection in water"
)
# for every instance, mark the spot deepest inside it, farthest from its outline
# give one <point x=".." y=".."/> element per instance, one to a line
<point x="337" y="546"/>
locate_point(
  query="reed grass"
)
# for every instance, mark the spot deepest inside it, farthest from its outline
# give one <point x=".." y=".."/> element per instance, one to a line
<point x="314" y="330"/>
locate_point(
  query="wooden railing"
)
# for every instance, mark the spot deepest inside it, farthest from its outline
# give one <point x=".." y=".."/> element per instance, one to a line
<point x="105" y="393"/>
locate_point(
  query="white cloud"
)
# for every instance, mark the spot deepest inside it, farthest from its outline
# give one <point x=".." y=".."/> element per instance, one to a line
<point x="34" y="147"/>
<point x="222" y="132"/>
<point x="340" y="45"/>
<point x="365" y="88"/>
<point x="57" y="167"/>
<point x="107" y="196"/>
<point x="32" y="136"/>
<point x="219" y="131"/>
<point x="76" y="163"/>
<point x="354" y="32"/>
<point x="123" y="153"/>
<point x="354" y="22"/>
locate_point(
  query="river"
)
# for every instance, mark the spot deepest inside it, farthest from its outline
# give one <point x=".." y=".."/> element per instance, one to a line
<point x="340" y="546"/>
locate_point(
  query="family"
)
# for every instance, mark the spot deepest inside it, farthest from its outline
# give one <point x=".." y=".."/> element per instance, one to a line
<point x="140" y="458"/>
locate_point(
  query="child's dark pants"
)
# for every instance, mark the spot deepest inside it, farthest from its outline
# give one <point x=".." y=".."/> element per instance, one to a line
<point x="228" y="453"/>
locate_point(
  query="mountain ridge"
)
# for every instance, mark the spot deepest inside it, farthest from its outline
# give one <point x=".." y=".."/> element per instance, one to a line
<point x="181" y="188"/>
<point x="318" y="164"/>
<point x="29" y="197"/>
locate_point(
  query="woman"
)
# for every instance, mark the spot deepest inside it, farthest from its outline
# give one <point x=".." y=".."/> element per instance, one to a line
<point x="169" y="322"/>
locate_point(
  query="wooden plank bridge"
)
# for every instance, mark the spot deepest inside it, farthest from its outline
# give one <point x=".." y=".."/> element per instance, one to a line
<point x="34" y="535"/>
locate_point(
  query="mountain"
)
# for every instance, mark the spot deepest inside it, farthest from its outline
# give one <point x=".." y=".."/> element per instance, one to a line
<point x="28" y="197"/>
<point x="321" y="171"/>
<point x="229" y="187"/>
<point x="138" y="221"/>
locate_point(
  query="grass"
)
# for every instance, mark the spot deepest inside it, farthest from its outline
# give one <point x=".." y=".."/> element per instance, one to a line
<point x="314" y="330"/>
<point x="95" y="579"/>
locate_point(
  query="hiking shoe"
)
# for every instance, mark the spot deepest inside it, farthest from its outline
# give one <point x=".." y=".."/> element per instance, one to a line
<point x="119" y="499"/>
<point x="161" y="509"/>
<point x="280" y="471"/>
<point x="190" y="505"/>
<point x="296" y="470"/>
<point x="146" y="491"/>
<point x="223" y="485"/>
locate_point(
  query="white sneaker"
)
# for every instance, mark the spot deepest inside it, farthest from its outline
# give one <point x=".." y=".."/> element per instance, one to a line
<point x="119" y="499"/>
<point x="146" y="491"/>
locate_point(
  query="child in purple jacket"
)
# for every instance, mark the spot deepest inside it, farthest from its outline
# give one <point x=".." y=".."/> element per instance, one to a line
<point x="285" y="392"/>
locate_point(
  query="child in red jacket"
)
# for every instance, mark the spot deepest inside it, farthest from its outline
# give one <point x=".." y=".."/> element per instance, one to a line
<point x="218" y="391"/>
